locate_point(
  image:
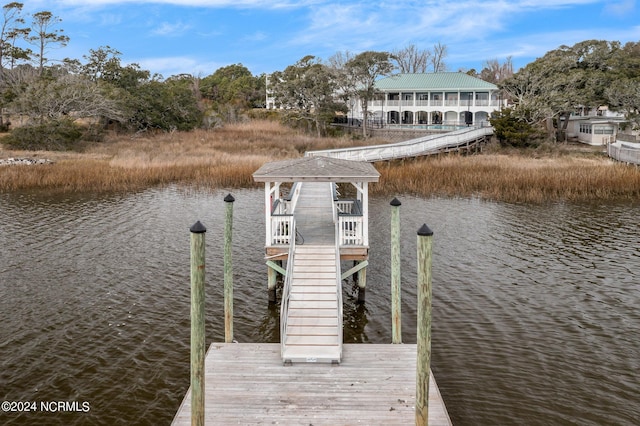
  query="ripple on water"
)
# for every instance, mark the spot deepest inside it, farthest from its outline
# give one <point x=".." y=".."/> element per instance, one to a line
<point x="535" y="307"/>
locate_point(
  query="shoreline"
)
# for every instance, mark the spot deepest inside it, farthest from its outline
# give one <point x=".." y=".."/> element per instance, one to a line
<point x="226" y="159"/>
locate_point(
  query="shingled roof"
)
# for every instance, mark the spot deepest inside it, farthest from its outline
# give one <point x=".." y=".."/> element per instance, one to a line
<point x="316" y="169"/>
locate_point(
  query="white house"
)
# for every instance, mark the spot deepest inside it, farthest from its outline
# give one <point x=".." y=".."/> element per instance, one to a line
<point x="431" y="99"/>
<point x="596" y="127"/>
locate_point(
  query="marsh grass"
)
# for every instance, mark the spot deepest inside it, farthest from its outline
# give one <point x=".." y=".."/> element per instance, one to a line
<point x="513" y="178"/>
<point x="227" y="157"/>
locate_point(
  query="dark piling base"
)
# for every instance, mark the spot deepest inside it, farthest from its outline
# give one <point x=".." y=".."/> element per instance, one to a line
<point x="361" y="294"/>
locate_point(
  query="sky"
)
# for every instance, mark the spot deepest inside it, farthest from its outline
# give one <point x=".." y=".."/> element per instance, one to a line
<point x="197" y="37"/>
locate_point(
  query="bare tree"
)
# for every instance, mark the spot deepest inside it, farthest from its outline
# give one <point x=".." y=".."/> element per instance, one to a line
<point x="411" y="59"/>
<point x="494" y="72"/>
<point x="339" y="60"/>
<point x="440" y="52"/>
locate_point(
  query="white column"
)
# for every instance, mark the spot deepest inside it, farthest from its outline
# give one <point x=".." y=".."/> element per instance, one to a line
<point x="365" y="212"/>
<point x="267" y="213"/>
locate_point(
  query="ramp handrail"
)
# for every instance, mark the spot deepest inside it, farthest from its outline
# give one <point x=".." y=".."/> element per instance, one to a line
<point x="339" y="287"/>
<point x="420" y="146"/>
<point x="286" y="292"/>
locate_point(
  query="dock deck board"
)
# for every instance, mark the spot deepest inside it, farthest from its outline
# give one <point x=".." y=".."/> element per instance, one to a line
<point x="247" y="384"/>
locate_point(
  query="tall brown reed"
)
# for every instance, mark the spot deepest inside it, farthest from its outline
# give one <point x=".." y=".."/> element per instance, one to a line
<point x="227" y="158"/>
<point x="512" y="178"/>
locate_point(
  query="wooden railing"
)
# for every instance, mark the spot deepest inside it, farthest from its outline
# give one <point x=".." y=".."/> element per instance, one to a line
<point x="286" y="294"/>
<point x="351" y="230"/>
<point x="339" y="290"/>
<point x="425" y="145"/>
<point x="282" y="228"/>
<point x="348" y="206"/>
<point x="625" y="152"/>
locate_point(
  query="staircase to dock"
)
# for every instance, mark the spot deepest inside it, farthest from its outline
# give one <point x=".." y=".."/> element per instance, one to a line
<point x="313" y="331"/>
<point x="311" y="313"/>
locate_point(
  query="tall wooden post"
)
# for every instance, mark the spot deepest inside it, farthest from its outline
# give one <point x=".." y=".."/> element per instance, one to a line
<point x="362" y="285"/>
<point x="228" y="271"/>
<point x="423" y="367"/>
<point x="272" y="280"/>
<point x="197" y="323"/>
<point x="396" y="310"/>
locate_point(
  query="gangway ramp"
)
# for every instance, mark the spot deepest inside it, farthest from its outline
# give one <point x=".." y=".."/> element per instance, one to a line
<point x="313" y="326"/>
<point x="426" y="145"/>
<point x="311" y="314"/>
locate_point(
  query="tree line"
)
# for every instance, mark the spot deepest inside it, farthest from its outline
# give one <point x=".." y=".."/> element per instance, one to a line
<point x="51" y="97"/>
<point x="587" y="75"/>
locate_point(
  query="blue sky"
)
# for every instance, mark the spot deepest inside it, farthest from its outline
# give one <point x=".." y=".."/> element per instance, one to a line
<point x="197" y="37"/>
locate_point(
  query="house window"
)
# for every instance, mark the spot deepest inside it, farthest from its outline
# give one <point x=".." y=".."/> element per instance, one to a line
<point x="603" y="130"/>
<point x="585" y="128"/>
<point x="482" y="98"/>
<point x="466" y="98"/>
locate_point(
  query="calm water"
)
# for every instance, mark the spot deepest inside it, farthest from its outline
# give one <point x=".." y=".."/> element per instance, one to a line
<point x="536" y="318"/>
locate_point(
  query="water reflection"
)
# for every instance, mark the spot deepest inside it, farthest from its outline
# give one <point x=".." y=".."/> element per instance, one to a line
<point x="535" y="307"/>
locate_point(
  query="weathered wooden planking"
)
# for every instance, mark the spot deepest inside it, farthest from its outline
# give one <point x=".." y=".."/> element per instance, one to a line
<point x="246" y="384"/>
<point x="315" y="272"/>
<point x="314" y="213"/>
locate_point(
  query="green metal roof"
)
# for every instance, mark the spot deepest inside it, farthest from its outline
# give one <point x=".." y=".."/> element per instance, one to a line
<point x="433" y="81"/>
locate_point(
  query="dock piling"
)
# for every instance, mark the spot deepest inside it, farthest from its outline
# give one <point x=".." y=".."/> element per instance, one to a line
<point x="425" y="240"/>
<point x="197" y="322"/>
<point x="228" y="271"/>
<point x="362" y="285"/>
<point x="396" y="310"/>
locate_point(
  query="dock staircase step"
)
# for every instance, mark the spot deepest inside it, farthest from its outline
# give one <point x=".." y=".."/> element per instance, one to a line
<point x="313" y="326"/>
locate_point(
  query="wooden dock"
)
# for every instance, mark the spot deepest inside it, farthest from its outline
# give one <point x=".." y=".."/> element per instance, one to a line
<point x="311" y="377"/>
<point x="247" y="384"/>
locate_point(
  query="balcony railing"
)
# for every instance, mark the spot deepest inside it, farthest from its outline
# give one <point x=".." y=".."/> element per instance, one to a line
<point x="351" y="230"/>
<point x="350" y="223"/>
<point x="281" y="229"/>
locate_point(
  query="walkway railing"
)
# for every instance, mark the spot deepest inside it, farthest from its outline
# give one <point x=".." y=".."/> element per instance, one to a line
<point x="425" y="145"/>
<point x="350" y="228"/>
<point x="627" y="152"/>
<point x="286" y="293"/>
<point x="339" y="290"/>
<point x="282" y="228"/>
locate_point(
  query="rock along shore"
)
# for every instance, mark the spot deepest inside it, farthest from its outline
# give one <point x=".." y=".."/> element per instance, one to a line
<point x="24" y="161"/>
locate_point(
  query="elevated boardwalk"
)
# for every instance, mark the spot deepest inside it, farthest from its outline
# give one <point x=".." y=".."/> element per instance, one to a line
<point x="627" y="152"/>
<point x="426" y="145"/>
<point x="246" y="384"/>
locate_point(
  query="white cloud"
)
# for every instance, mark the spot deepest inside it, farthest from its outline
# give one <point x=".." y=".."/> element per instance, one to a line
<point x="171" y="29"/>
<point x="263" y="4"/>
<point x="620" y="8"/>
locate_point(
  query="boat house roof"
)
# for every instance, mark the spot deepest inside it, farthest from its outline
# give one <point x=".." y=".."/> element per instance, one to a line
<point x="433" y="81"/>
<point x="316" y="169"/>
